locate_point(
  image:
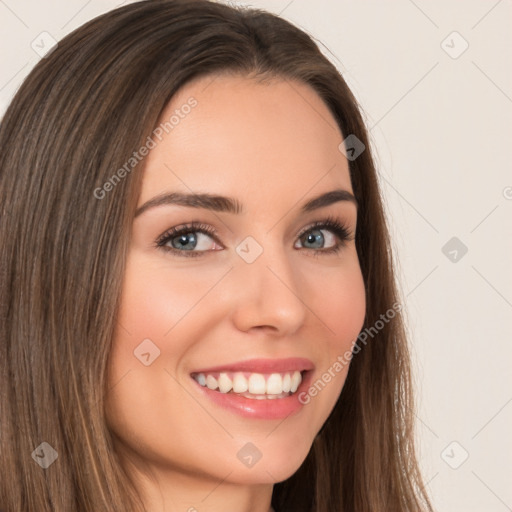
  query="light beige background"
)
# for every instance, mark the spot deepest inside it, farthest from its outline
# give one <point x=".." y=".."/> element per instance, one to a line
<point x="441" y="126"/>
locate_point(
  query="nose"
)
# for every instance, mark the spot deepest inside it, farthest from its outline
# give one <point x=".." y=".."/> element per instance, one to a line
<point x="268" y="294"/>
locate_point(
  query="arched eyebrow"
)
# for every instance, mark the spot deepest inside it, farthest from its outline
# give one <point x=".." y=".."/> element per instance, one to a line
<point x="231" y="205"/>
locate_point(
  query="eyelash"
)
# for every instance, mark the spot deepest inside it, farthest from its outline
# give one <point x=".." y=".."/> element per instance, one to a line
<point x="330" y="223"/>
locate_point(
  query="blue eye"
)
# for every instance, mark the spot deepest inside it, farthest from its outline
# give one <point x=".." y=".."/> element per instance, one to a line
<point x="184" y="240"/>
<point x="313" y="234"/>
<point x="179" y="240"/>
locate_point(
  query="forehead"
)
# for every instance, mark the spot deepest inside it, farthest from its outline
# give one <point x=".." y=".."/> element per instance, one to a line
<point x="260" y="142"/>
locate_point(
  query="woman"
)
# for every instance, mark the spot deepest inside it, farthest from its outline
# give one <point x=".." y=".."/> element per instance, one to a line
<point x="171" y="339"/>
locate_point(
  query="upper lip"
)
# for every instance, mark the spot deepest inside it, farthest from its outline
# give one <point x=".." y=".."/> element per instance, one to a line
<point x="263" y="366"/>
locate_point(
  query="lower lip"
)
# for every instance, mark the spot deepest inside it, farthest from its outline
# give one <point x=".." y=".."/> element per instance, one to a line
<point x="273" y="409"/>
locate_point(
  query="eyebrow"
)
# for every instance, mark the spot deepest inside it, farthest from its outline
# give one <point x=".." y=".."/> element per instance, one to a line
<point x="230" y="205"/>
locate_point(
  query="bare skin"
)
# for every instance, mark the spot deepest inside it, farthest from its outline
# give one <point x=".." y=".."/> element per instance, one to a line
<point x="273" y="147"/>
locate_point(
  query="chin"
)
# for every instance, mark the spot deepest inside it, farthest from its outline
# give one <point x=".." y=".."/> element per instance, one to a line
<point x="273" y="467"/>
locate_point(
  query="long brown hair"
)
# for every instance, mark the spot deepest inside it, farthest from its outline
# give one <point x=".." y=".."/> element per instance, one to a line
<point x="76" y="119"/>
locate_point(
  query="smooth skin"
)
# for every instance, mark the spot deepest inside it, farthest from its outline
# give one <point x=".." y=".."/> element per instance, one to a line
<point x="272" y="146"/>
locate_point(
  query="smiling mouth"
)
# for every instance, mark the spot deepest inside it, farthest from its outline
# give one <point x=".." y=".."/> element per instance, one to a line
<point x="258" y="386"/>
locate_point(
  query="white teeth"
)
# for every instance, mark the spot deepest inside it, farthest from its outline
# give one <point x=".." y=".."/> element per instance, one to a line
<point x="287" y="382"/>
<point x="255" y="385"/>
<point x="240" y="384"/>
<point x="264" y="397"/>
<point x="225" y="383"/>
<point x="296" y="380"/>
<point x="274" y="384"/>
<point x="211" y="382"/>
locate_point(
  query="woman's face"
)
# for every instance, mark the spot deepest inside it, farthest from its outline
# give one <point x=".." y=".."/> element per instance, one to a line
<point x="258" y="300"/>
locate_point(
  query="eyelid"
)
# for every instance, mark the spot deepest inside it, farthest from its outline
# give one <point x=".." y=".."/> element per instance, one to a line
<point x="186" y="228"/>
<point x="331" y="223"/>
<point x="337" y="226"/>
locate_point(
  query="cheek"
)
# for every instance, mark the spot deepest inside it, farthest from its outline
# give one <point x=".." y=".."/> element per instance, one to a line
<point x="158" y="301"/>
<point x="338" y="299"/>
<point x="145" y="404"/>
